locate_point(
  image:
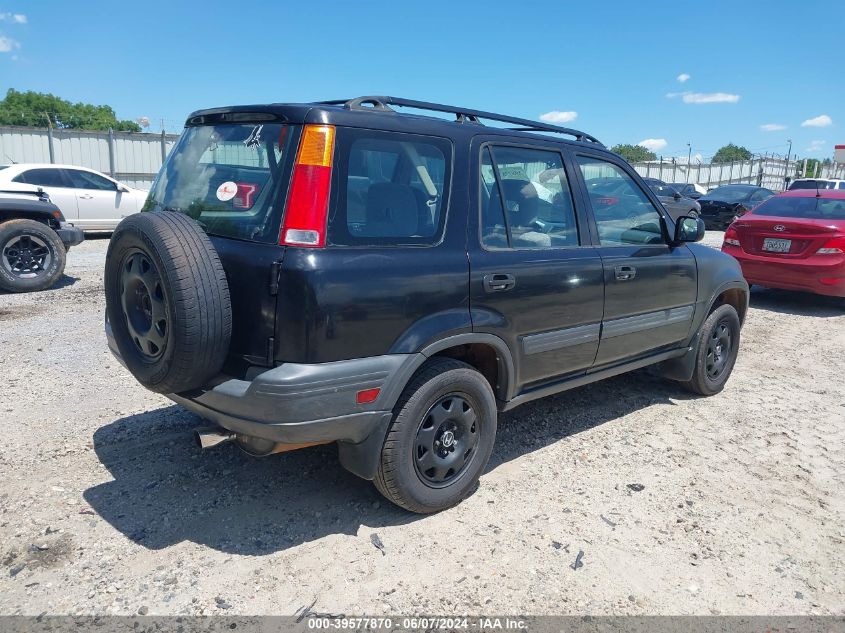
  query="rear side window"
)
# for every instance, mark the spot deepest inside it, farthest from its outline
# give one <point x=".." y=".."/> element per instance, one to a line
<point x="390" y="189"/>
<point x="229" y="177"/>
<point x="42" y="177"/>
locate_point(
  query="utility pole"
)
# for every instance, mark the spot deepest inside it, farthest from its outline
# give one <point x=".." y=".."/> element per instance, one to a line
<point x="50" y="139"/>
<point x="786" y="168"/>
<point x="689" y="159"/>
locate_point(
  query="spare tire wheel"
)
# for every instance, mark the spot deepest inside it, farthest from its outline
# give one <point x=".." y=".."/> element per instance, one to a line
<point x="167" y="300"/>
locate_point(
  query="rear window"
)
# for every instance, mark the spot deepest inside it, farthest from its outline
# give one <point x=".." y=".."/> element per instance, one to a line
<point x="389" y="189"/>
<point x="228" y="177"/>
<point x="811" y="184"/>
<point x="810" y="208"/>
<point x="728" y="194"/>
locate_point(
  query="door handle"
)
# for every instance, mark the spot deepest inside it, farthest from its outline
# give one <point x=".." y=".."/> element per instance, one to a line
<point x="625" y="273"/>
<point x="86" y="196"/>
<point x="499" y="282"/>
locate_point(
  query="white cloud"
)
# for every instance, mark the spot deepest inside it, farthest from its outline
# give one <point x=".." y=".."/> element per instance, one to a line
<point x="17" y="18"/>
<point x="556" y="116"/>
<point x="820" y="121"/>
<point x="653" y="144"/>
<point x="705" y="97"/>
<point x="815" y="146"/>
<point x="772" y="127"/>
<point x="683" y="77"/>
<point x="7" y="44"/>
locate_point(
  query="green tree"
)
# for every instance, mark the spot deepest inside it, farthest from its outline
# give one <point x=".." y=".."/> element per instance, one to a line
<point x="731" y="153"/>
<point x="34" y="108"/>
<point x="814" y="168"/>
<point x="634" y="153"/>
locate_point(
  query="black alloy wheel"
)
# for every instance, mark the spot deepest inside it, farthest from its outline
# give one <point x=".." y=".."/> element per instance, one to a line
<point x="26" y="256"/>
<point x="144" y="304"/>
<point x="445" y="440"/>
<point x="718" y="349"/>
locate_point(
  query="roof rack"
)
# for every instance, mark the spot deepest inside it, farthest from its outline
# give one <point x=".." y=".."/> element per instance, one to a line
<point x="462" y="115"/>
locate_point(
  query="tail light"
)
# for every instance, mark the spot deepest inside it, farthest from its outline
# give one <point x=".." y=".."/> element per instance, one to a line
<point x="731" y="237"/>
<point x="836" y="246"/>
<point x="308" y="200"/>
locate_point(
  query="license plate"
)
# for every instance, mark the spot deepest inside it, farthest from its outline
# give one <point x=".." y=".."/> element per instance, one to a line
<point x="776" y="246"/>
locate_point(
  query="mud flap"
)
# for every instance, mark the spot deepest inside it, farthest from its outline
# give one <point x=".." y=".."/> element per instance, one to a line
<point x="362" y="459"/>
<point x="682" y="367"/>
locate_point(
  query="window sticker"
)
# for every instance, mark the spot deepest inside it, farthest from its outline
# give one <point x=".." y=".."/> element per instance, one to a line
<point x="254" y="139"/>
<point x="227" y="191"/>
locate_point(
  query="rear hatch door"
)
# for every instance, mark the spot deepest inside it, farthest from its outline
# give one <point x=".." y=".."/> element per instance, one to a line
<point x="230" y="174"/>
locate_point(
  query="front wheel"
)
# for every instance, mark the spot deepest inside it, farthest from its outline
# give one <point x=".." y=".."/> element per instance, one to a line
<point x="441" y="438"/>
<point x="32" y="257"/>
<point x="718" y="346"/>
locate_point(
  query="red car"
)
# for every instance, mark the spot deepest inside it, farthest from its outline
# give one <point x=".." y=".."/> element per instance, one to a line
<point x="795" y="241"/>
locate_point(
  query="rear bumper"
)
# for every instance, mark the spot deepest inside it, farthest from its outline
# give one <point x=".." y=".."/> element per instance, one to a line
<point x="298" y="403"/>
<point x="716" y="218"/>
<point x="819" y="274"/>
<point x="70" y="235"/>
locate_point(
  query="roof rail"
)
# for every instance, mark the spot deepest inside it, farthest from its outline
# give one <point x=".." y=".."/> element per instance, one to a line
<point x="462" y="115"/>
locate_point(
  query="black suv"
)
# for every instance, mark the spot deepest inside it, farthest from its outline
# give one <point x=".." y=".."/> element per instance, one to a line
<point x="34" y="240"/>
<point x="343" y="272"/>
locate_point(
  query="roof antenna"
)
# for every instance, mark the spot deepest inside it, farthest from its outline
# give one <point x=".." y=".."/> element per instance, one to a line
<point x="11" y="160"/>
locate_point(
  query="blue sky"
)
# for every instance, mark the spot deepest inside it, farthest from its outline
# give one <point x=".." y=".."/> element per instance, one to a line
<point x="615" y="64"/>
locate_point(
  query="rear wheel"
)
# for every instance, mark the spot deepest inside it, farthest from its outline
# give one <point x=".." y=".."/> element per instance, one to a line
<point x="167" y="301"/>
<point x="718" y="346"/>
<point x="441" y="438"/>
<point x="32" y="257"/>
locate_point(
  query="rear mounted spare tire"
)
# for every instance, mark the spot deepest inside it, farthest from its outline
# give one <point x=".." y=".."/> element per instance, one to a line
<point x="167" y="301"/>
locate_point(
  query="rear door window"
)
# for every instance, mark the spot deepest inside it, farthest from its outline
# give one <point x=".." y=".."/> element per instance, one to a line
<point x="390" y="189"/>
<point x="526" y="200"/>
<point x="46" y="177"/>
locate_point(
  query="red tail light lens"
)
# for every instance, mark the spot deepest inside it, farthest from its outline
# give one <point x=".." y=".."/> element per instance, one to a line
<point x="308" y="200"/>
<point x="836" y="246"/>
<point x="731" y="237"/>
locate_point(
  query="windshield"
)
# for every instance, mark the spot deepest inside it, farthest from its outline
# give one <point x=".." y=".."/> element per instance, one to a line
<point x="810" y="208"/>
<point x="729" y="194"/>
<point x="228" y="178"/>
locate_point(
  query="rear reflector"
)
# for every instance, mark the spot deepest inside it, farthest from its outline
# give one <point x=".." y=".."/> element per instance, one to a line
<point x="305" y="215"/>
<point x="367" y="396"/>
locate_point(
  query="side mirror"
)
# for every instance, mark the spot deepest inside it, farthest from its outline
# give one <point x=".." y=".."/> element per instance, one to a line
<point x="676" y="196"/>
<point x="689" y="229"/>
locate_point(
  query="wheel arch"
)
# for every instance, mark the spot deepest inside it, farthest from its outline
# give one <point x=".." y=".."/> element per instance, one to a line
<point x="486" y="353"/>
<point x="734" y="294"/>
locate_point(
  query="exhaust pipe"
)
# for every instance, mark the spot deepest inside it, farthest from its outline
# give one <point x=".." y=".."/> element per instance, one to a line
<point x="212" y="436"/>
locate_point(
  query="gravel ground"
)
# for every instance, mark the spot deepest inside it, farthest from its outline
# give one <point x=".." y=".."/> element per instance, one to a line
<point x="671" y="504"/>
